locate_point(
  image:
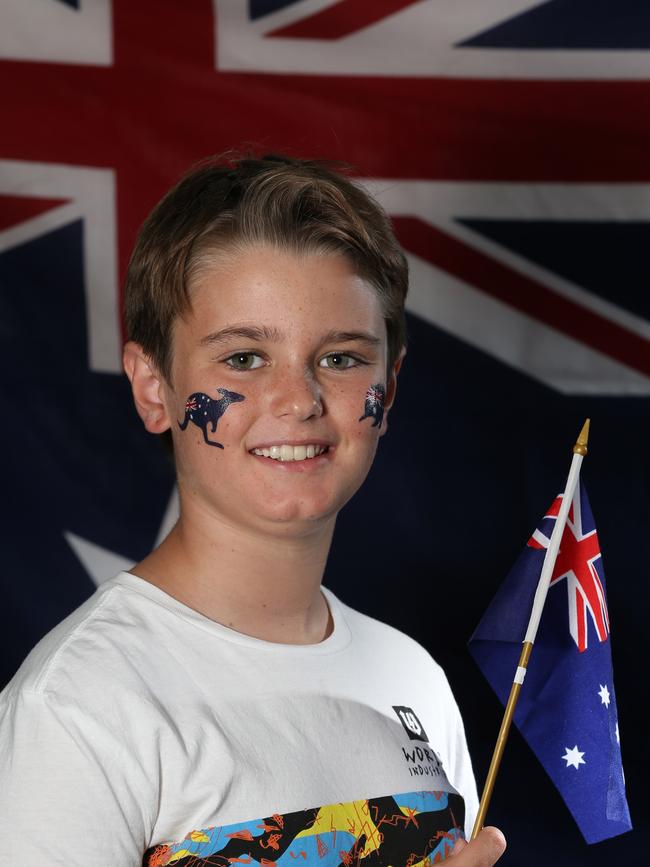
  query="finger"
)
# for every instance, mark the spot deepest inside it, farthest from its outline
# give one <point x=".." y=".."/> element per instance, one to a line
<point x="485" y="851"/>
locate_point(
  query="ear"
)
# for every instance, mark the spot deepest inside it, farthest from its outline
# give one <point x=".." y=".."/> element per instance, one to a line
<point x="147" y="385"/>
<point x="391" y="390"/>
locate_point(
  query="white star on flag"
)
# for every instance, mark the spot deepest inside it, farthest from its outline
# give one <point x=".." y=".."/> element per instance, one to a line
<point x="574" y="757"/>
<point x="618" y="737"/>
<point x="604" y="695"/>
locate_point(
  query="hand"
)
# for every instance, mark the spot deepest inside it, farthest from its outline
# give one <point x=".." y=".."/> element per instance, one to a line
<point x="488" y="847"/>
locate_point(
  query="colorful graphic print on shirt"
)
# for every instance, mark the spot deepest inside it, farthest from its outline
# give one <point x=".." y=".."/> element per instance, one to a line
<point x="412" y="829"/>
<point x="202" y="410"/>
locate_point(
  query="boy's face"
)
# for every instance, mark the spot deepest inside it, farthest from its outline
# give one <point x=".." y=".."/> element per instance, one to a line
<point x="314" y="376"/>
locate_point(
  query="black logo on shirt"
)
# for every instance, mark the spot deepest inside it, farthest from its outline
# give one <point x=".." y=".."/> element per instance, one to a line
<point x="412" y="725"/>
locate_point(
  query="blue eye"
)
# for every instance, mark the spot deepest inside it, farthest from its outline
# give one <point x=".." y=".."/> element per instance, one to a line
<point x="342" y="361"/>
<point x="239" y="360"/>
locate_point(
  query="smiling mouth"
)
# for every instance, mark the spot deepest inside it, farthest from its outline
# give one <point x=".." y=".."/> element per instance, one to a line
<point x="291" y="453"/>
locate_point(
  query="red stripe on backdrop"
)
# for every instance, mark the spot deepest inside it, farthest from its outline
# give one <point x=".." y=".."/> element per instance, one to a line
<point x="18" y="209"/>
<point x="341" y="19"/>
<point x="523" y="293"/>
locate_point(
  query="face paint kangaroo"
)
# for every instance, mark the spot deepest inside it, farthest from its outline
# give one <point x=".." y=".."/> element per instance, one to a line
<point x="204" y="410"/>
<point x="374" y="408"/>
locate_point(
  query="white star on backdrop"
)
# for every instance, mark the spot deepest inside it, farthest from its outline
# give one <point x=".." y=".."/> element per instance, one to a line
<point x="574" y="757"/>
<point x="100" y="563"/>
<point x="604" y="694"/>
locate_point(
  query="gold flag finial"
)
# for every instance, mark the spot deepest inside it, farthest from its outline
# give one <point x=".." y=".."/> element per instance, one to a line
<point x="580" y="448"/>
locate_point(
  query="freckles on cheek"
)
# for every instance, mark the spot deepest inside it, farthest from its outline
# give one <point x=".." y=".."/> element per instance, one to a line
<point x="205" y="410"/>
<point x="374" y="404"/>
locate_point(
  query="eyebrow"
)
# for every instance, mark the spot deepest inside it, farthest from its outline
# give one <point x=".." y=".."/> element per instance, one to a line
<point x="248" y="332"/>
<point x="274" y="335"/>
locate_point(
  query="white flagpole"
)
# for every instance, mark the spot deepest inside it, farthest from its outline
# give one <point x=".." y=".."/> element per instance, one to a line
<point x="556" y="538"/>
<point x="579" y="451"/>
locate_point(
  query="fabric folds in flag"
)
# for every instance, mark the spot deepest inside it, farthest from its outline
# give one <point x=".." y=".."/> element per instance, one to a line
<point x="567" y="706"/>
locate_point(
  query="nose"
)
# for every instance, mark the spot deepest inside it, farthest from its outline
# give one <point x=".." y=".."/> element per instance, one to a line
<point x="296" y="394"/>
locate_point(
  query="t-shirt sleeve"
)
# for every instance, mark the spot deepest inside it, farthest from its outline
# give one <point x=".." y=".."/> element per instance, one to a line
<point x="69" y="791"/>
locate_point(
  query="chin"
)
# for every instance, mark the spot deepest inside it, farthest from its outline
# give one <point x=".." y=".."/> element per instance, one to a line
<point x="294" y="516"/>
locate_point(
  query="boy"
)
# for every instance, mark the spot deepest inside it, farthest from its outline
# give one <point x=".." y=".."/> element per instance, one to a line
<point x="216" y="705"/>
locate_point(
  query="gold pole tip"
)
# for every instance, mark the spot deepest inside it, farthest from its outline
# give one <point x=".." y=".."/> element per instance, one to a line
<point x="580" y="448"/>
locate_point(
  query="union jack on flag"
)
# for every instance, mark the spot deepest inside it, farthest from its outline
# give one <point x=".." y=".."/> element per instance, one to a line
<point x="567" y="703"/>
<point x="576" y="562"/>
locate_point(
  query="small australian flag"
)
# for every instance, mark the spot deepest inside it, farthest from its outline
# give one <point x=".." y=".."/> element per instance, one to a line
<point x="567" y="706"/>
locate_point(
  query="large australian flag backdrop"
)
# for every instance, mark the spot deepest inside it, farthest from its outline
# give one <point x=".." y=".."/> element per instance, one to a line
<point x="509" y="141"/>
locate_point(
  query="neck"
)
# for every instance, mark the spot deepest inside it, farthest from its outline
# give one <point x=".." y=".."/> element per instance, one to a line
<point x="263" y="584"/>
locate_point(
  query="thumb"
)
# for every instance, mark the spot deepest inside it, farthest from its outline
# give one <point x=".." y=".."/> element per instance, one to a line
<point x="485" y="851"/>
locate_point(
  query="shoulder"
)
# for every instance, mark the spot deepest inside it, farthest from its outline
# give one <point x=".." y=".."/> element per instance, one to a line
<point x="388" y="645"/>
<point x="91" y="643"/>
<point x="72" y="752"/>
<point x="387" y="663"/>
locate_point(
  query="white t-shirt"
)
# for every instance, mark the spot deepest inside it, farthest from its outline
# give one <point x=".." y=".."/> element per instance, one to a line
<point x="139" y="731"/>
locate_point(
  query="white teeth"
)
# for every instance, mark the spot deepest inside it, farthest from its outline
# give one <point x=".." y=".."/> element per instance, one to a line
<point x="291" y="453"/>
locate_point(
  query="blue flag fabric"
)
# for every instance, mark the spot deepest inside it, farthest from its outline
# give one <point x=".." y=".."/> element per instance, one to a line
<point x="567" y="706"/>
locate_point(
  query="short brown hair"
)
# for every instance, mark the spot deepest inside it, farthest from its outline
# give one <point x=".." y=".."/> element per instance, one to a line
<point x="232" y="202"/>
